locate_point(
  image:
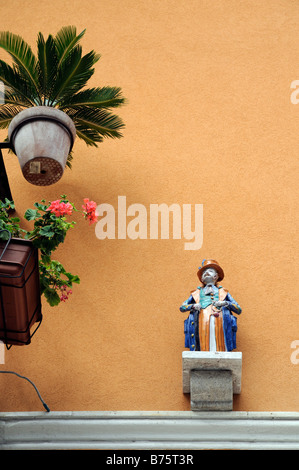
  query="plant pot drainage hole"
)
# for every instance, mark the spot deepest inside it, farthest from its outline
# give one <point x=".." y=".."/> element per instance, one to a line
<point x="42" y="171"/>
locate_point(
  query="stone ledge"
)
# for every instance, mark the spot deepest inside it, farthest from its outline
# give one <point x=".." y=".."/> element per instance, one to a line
<point x="149" y="430"/>
<point x="211" y="378"/>
<point x="206" y="360"/>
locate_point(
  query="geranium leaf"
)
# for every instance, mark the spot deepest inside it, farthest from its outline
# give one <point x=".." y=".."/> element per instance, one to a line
<point x="46" y="231"/>
<point x="31" y="214"/>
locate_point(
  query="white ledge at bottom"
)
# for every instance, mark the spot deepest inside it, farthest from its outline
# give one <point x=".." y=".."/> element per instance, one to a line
<point x="165" y="430"/>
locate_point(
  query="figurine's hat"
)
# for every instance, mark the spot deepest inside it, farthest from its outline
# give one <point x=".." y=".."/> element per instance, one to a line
<point x="210" y="263"/>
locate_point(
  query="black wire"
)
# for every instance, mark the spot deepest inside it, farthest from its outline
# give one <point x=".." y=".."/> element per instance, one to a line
<point x="26" y="378"/>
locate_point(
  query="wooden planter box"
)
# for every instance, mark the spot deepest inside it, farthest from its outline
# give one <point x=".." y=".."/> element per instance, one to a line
<point x="20" y="299"/>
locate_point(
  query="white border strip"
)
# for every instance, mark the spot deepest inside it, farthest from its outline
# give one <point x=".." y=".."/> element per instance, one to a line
<point x="149" y="430"/>
<point x="2" y="349"/>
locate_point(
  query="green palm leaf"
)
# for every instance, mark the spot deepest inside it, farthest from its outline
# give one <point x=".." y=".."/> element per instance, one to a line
<point x="15" y="98"/>
<point x="47" y="65"/>
<point x="17" y="82"/>
<point x="66" y="39"/>
<point x="69" y="160"/>
<point x="89" y="136"/>
<point x="22" y="56"/>
<point x="73" y="73"/>
<point x="106" y="97"/>
<point x="101" y="121"/>
<point x="7" y="113"/>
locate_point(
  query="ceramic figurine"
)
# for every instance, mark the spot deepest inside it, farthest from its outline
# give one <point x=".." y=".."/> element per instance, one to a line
<point x="211" y="325"/>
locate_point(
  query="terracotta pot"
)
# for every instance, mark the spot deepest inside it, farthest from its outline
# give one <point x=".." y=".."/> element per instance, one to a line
<point x="42" y="138"/>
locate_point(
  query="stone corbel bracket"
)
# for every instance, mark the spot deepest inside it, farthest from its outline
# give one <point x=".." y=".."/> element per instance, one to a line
<point x="212" y="378"/>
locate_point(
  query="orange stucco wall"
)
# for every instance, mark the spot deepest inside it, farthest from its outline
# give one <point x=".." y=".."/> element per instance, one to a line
<point x="209" y="121"/>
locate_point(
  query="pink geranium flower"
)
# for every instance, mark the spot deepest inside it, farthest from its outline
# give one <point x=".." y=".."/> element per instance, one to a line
<point x="65" y="292"/>
<point x="89" y="209"/>
<point x="60" y="208"/>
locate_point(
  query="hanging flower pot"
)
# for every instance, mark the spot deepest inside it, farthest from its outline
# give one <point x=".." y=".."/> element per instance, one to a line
<point x="42" y="138"/>
<point x="46" y="102"/>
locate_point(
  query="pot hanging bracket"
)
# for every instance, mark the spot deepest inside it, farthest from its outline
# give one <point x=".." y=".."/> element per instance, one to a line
<point x="5" y="192"/>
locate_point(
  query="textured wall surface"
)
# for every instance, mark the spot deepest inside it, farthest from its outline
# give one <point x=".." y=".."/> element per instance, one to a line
<point x="209" y="121"/>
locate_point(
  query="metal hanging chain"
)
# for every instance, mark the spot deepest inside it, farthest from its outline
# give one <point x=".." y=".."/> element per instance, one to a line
<point x="7" y="243"/>
<point x="26" y="378"/>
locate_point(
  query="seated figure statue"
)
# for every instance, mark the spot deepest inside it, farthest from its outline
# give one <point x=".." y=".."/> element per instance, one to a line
<point x="211" y="325"/>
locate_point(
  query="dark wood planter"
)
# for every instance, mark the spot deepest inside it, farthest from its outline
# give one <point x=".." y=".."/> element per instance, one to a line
<point x="20" y="299"/>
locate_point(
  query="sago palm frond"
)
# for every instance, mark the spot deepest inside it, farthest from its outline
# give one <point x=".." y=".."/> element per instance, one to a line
<point x="47" y="65"/>
<point x="89" y="136"/>
<point x="73" y="74"/>
<point x="100" y="120"/>
<point x="13" y="97"/>
<point x="22" y="56"/>
<point x="13" y="80"/>
<point x="66" y="39"/>
<point x="7" y="113"/>
<point x="106" y="97"/>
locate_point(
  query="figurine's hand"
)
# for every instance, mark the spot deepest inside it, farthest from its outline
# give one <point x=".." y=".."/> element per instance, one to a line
<point x="197" y="307"/>
<point x="220" y="303"/>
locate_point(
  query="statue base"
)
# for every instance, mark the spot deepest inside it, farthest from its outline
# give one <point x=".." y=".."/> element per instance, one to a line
<point x="212" y="378"/>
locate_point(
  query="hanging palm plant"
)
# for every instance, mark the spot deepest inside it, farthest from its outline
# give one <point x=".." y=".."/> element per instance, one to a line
<point x="45" y="95"/>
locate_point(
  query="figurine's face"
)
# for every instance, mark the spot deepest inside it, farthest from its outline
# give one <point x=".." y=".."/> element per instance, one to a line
<point x="209" y="276"/>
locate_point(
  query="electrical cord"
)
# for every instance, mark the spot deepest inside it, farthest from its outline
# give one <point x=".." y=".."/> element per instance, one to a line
<point x="30" y="381"/>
